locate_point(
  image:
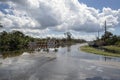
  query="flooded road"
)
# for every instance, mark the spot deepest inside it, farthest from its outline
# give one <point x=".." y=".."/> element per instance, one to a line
<point x="68" y="63"/>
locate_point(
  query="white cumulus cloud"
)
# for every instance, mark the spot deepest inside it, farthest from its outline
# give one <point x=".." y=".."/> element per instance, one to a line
<point x="58" y="15"/>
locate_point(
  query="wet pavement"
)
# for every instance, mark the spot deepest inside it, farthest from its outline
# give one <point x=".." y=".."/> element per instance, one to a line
<point x="69" y="63"/>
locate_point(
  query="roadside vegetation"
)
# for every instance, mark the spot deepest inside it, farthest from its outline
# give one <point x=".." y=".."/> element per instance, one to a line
<point x="112" y="48"/>
<point x="12" y="41"/>
<point x="98" y="51"/>
<point x="16" y="40"/>
<point x="108" y="45"/>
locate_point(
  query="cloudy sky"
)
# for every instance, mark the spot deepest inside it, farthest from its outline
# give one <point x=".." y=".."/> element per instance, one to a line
<point x="51" y="18"/>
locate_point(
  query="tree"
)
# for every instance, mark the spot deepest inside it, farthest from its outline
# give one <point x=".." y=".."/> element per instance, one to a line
<point x="68" y="34"/>
<point x="107" y="35"/>
<point x="110" y="39"/>
<point x="15" y="40"/>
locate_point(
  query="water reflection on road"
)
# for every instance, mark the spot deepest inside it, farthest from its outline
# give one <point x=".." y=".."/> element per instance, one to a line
<point x="67" y="63"/>
<point x="74" y="51"/>
<point x="69" y="51"/>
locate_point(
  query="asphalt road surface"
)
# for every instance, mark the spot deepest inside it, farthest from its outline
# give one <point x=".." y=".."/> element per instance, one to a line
<point x="69" y="63"/>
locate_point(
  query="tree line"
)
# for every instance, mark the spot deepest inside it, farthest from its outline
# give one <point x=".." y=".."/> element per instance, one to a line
<point x="15" y="40"/>
<point x="108" y="39"/>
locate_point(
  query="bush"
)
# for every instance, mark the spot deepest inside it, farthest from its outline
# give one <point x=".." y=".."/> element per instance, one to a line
<point x="14" y="40"/>
<point x="117" y="43"/>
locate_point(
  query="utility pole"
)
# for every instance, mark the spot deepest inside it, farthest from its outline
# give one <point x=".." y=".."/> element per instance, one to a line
<point x="98" y="34"/>
<point x="105" y="28"/>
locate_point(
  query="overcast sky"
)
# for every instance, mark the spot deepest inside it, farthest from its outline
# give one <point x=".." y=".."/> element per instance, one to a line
<point x="51" y="18"/>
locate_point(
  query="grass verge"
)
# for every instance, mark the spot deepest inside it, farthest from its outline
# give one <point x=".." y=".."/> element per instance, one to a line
<point x="113" y="48"/>
<point x="97" y="51"/>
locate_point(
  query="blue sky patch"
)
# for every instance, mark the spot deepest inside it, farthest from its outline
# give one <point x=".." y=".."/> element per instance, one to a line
<point x="99" y="4"/>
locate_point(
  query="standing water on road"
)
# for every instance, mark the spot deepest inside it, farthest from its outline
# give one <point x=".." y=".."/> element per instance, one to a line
<point x="66" y="63"/>
<point x="74" y="51"/>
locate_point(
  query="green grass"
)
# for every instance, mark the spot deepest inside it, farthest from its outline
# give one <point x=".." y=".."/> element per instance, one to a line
<point x="113" y="48"/>
<point x="97" y="51"/>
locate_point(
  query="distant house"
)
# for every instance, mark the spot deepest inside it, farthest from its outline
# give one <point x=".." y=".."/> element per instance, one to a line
<point x="91" y="43"/>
